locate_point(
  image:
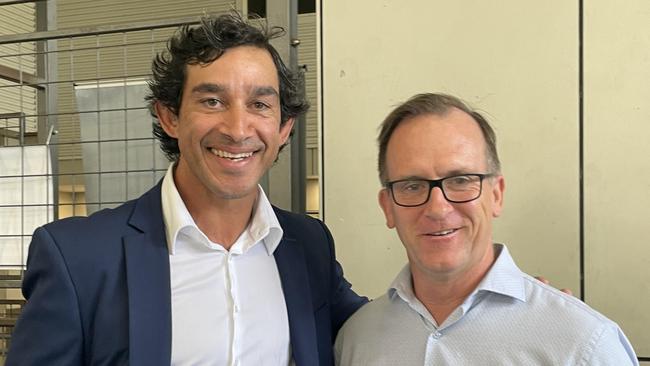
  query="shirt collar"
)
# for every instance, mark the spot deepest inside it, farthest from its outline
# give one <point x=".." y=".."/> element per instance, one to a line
<point x="504" y="277"/>
<point x="402" y="285"/>
<point x="263" y="226"/>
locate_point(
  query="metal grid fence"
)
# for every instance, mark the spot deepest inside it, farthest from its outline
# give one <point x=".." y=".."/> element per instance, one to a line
<point x="84" y="140"/>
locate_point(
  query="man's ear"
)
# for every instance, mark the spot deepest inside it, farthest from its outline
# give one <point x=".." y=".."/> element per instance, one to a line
<point x="386" y="204"/>
<point x="285" y="131"/>
<point x="168" y="120"/>
<point x="498" y="188"/>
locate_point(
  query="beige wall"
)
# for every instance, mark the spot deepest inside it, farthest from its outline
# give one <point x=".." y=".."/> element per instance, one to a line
<point x="522" y="72"/>
<point x="617" y="164"/>
<point x="518" y="62"/>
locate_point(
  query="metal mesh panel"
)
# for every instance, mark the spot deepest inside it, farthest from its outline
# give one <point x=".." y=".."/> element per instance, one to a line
<point x="17" y="64"/>
<point x="72" y="104"/>
<point x="105" y="148"/>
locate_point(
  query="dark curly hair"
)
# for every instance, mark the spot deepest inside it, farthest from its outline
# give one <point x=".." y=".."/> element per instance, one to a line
<point x="202" y="45"/>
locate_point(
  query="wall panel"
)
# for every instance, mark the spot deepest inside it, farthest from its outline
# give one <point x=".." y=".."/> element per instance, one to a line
<point x="517" y="61"/>
<point x="520" y="63"/>
<point x="617" y="164"/>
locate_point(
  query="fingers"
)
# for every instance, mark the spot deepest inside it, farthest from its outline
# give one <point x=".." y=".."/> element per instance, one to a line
<point x="567" y="291"/>
<point x="547" y="282"/>
<point x="542" y="280"/>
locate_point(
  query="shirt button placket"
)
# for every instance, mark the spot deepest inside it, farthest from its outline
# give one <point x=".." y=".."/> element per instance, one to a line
<point x="432" y="348"/>
<point x="235" y="308"/>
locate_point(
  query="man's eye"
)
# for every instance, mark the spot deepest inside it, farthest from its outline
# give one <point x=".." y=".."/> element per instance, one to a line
<point x="460" y="180"/>
<point x="413" y="186"/>
<point x="211" y="102"/>
<point x="260" y="105"/>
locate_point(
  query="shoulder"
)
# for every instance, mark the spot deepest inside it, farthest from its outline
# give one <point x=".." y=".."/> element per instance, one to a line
<point x="288" y="218"/>
<point x="98" y="236"/>
<point x="542" y="296"/>
<point x="112" y="222"/>
<point x="85" y="250"/>
<point x="303" y="228"/>
<point x="364" y="324"/>
<point x="99" y="225"/>
<point x="118" y="214"/>
<point x="374" y="318"/>
<point x="597" y="337"/>
<point x="385" y="331"/>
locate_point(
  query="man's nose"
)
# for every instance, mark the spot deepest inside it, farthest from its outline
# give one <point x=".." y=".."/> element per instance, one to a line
<point x="437" y="207"/>
<point x="236" y="123"/>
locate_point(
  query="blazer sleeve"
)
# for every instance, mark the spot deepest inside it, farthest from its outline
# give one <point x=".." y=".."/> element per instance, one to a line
<point x="344" y="300"/>
<point x="48" y="331"/>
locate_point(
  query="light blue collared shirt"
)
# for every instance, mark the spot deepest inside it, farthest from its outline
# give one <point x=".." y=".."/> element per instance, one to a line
<point x="509" y="319"/>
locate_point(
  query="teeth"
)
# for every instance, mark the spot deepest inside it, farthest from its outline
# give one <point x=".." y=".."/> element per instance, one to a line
<point x="441" y="233"/>
<point x="225" y="154"/>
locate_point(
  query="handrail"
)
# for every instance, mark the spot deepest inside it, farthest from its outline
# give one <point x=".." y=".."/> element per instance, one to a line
<point x="96" y="30"/>
<point x="20" y="135"/>
<point x="14" y="2"/>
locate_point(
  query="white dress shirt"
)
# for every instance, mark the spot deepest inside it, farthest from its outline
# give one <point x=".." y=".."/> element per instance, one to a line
<point x="228" y="307"/>
<point x="509" y="319"/>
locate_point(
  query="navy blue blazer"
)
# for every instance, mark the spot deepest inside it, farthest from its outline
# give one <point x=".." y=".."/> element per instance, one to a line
<point x="98" y="290"/>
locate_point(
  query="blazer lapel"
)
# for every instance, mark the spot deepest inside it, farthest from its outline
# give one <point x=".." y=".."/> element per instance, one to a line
<point x="290" y="260"/>
<point x="147" y="273"/>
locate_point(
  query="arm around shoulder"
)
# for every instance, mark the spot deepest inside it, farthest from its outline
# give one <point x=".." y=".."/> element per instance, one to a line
<point x="345" y="301"/>
<point x="48" y="331"/>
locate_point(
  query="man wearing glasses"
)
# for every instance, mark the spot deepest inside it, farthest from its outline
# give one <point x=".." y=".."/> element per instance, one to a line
<point x="461" y="300"/>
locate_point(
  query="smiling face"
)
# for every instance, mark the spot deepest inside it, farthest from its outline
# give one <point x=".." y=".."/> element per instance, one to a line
<point x="228" y="125"/>
<point x="443" y="240"/>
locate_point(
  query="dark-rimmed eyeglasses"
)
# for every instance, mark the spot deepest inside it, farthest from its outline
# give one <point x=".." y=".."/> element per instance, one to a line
<point x="457" y="189"/>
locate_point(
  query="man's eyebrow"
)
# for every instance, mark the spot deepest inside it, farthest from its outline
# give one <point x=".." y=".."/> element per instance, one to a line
<point x="259" y="91"/>
<point x="409" y="177"/>
<point x="208" y="88"/>
<point x="451" y="173"/>
<point x="265" y="91"/>
<point x="463" y="171"/>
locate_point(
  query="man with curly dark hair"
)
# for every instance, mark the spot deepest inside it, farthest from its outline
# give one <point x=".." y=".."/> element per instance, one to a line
<point x="196" y="46"/>
<point x="202" y="269"/>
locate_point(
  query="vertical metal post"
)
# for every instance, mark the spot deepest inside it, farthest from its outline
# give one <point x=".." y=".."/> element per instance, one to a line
<point x="242" y="7"/>
<point x="41" y="71"/>
<point x="279" y="189"/>
<point x="298" y="145"/>
<point x="22" y="127"/>
<point x="51" y="95"/>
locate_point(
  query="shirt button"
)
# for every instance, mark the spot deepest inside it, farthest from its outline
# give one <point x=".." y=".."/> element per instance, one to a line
<point x="437" y="335"/>
<point x="236" y="309"/>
